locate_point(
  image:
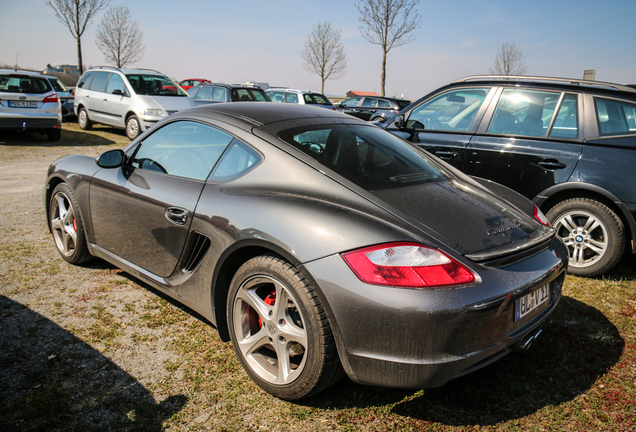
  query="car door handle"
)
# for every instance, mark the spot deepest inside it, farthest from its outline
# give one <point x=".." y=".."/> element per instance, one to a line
<point x="446" y="154"/>
<point x="176" y="215"/>
<point x="551" y="164"/>
<point x="372" y="111"/>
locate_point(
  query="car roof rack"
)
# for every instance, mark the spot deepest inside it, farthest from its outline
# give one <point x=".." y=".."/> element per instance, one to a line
<point x="555" y="80"/>
<point x="121" y="69"/>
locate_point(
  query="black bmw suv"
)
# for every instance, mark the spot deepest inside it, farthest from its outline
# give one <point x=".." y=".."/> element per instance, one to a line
<point x="567" y="144"/>
<point x="373" y="108"/>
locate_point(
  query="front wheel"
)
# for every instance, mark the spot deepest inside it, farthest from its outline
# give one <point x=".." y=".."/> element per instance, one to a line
<point x="132" y="127"/>
<point x="593" y="233"/>
<point x="67" y="227"/>
<point x="280" y="331"/>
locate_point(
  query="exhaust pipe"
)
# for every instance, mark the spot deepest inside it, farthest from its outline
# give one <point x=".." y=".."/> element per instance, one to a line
<point x="529" y="340"/>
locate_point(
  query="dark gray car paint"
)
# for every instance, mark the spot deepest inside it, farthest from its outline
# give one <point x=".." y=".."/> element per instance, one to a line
<point x="309" y="215"/>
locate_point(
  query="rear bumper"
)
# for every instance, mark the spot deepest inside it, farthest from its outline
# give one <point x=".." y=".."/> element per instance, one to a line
<point x="31" y="122"/>
<point x="412" y="338"/>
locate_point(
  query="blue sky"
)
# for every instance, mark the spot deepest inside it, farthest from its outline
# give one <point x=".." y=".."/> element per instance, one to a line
<point x="250" y="40"/>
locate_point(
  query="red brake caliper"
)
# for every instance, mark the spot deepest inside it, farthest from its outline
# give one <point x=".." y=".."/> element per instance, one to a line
<point x="269" y="300"/>
<point x="74" y="225"/>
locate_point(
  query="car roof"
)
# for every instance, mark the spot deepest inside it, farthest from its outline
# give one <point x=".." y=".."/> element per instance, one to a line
<point x="22" y="72"/>
<point x="292" y="90"/>
<point x="568" y="84"/>
<point x="127" y="71"/>
<point x="255" y="114"/>
<point x="211" y="84"/>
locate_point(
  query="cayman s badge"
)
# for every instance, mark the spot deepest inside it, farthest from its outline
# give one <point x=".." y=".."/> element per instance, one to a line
<point x="494" y="231"/>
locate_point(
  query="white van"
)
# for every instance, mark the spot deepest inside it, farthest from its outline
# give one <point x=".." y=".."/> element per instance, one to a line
<point x="130" y="99"/>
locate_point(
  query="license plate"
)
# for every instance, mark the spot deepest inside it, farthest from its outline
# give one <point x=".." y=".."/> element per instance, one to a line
<point x="529" y="302"/>
<point x="23" y="104"/>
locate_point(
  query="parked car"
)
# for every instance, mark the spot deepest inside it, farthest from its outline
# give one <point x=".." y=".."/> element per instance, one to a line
<point x="67" y="100"/>
<point x="567" y="144"/>
<point x="28" y="102"/>
<point x="130" y="99"/>
<point x="193" y="82"/>
<point x="374" y="108"/>
<point x="317" y="243"/>
<point x="216" y="93"/>
<point x="301" y="97"/>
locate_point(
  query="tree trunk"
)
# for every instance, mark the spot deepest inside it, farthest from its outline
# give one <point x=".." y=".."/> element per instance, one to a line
<point x="383" y="69"/>
<point x="79" y="56"/>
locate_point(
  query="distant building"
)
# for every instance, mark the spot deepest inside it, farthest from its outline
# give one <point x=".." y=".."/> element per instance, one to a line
<point x="61" y="69"/>
<point x="355" y="93"/>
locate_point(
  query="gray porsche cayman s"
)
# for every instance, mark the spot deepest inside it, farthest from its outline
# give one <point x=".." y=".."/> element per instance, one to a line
<point x="319" y="244"/>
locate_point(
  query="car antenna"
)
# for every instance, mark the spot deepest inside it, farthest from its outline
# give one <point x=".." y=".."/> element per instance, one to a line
<point x="16" y="61"/>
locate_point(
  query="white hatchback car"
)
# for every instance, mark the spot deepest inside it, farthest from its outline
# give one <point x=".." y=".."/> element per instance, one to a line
<point x="28" y="102"/>
<point x="130" y="99"/>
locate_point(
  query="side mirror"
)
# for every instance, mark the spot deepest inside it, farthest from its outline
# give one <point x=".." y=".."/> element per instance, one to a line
<point x="118" y="92"/>
<point x="111" y="159"/>
<point x="400" y="122"/>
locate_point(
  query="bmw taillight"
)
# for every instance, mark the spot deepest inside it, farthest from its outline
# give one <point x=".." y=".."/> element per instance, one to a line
<point x="538" y="215"/>
<point x="52" y="98"/>
<point x="408" y="265"/>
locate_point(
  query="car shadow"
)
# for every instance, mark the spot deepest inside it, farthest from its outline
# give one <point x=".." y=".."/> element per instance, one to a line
<point x="51" y="380"/>
<point x="578" y="345"/>
<point x="70" y="138"/>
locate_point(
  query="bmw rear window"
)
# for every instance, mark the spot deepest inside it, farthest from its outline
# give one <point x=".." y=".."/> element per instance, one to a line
<point x="370" y="157"/>
<point x="17" y="83"/>
<point x="316" y="99"/>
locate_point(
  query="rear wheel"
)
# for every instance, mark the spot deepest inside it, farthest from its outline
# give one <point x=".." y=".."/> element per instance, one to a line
<point x="593" y="233"/>
<point x="67" y="227"/>
<point x="132" y="127"/>
<point x="82" y="119"/>
<point x="280" y="331"/>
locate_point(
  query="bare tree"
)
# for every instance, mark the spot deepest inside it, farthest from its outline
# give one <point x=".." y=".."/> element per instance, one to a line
<point x="509" y="61"/>
<point x="388" y="23"/>
<point x="77" y="15"/>
<point x="324" y="54"/>
<point x="119" y="37"/>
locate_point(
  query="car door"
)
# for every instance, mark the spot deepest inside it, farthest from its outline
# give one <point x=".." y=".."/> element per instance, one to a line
<point x="350" y="106"/>
<point x="529" y="140"/>
<point x="367" y="108"/>
<point x="142" y="212"/>
<point x="445" y="123"/>
<point x="116" y="101"/>
<point x="94" y="98"/>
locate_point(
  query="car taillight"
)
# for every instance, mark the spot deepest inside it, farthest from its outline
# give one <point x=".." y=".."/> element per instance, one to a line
<point x="538" y="215"/>
<point x="408" y="265"/>
<point x="52" y="98"/>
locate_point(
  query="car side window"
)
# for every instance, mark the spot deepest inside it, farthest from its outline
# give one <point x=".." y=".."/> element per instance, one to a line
<point x="238" y="159"/>
<point x="453" y="110"/>
<point x="566" y="122"/>
<point x="99" y="82"/>
<point x="291" y="98"/>
<point x="524" y="112"/>
<point x="218" y="94"/>
<point x="183" y="148"/>
<point x="205" y="93"/>
<point x="351" y="102"/>
<point x="384" y="103"/>
<point x="276" y="96"/>
<point x="615" y="117"/>
<point x="369" y="102"/>
<point x="86" y="79"/>
<point x="116" y="83"/>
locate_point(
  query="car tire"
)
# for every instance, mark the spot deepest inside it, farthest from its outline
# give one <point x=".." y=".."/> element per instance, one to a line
<point x="133" y="128"/>
<point x="592" y="251"/>
<point x="54" y="134"/>
<point x="280" y="331"/>
<point x="66" y="225"/>
<point x="82" y="119"/>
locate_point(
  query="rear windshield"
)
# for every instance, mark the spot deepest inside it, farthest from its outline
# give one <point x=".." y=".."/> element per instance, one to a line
<point x="316" y="98"/>
<point x="249" y="94"/>
<point x="15" y="83"/>
<point x="368" y="156"/>
<point x="154" y="85"/>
